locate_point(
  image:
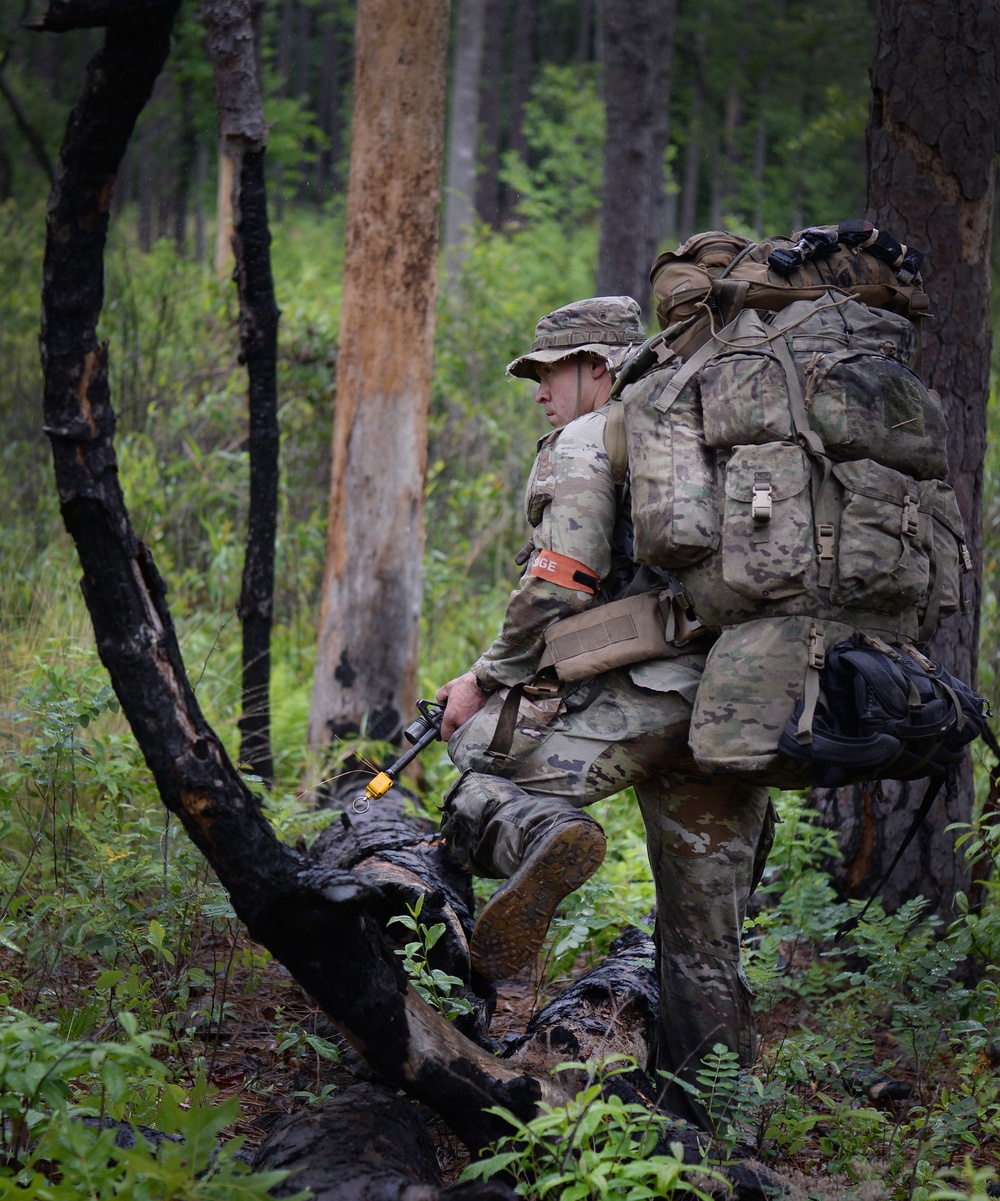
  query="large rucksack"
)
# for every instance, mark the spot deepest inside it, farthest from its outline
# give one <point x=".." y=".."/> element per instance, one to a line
<point x="787" y="464"/>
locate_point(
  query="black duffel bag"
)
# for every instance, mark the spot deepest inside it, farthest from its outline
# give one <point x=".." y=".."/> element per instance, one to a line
<point x="885" y="713"/>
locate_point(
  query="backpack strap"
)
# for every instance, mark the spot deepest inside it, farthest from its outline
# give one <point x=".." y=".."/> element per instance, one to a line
<point x="614" y="442"/>
<point x="687" y="371"/>
<point x="933" y="788"/>
<point x="826" y="511"/>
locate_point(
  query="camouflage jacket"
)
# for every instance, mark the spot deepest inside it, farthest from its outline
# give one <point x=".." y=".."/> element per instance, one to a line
<point x="574" y="509"/>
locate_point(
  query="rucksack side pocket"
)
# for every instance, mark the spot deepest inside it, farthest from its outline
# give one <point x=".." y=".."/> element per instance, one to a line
<point x="767" y="532"/>
<point x="675" y="505"/>
<point x="882" y="559"/>
<point x="949" y="555"/>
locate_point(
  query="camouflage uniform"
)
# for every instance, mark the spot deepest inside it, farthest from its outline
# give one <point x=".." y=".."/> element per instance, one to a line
<point x="706" y="838"/>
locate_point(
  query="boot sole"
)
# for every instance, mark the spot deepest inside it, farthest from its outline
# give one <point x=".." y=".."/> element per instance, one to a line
<point x="513" y="925"/>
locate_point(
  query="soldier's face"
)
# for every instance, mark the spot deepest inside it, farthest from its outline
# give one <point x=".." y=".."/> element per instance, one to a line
<point x="571" y="387"/>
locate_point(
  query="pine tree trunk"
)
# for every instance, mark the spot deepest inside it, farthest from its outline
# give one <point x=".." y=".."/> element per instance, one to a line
<point x="366" y="669"/>
<point x="932" y="142"/>
<point x="638" y="47"/>
<point x="185" y="165"/>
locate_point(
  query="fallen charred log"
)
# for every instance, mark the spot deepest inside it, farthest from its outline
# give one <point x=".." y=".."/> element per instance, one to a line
<point x="364" y="1144"/>
<point x="411" y="867"/>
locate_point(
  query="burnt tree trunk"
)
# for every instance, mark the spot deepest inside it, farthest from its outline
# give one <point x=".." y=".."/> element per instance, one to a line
<point x="638" y="48"/>
<point x="232" y="44"/>
<point x="932" y="142"/>
<point x="366" y="665"/>
<point x="522" y="69"/>
<point x="406" y="859"/>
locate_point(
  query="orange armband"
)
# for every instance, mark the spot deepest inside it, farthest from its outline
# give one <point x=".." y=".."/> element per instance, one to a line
<point x="564" y="571"/>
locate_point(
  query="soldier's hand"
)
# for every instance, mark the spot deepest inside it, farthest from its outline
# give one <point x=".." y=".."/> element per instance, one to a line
<point x="462" y="698"/>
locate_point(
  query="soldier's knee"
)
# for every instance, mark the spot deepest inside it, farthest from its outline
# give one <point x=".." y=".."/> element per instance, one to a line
<point x="469" y="805"/>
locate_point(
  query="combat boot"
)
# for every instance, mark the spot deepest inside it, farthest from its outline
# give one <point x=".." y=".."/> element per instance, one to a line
<point x="514" y="922"/>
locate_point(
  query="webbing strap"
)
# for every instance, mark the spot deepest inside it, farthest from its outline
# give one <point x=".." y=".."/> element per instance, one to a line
<point x="825" y="509"/>
<point x="615" y="444"/>
<point x="810" y="688"/>
<point x="503" y="734"/>
<point x="690" y="369"/>
<point x="933" y="788"/>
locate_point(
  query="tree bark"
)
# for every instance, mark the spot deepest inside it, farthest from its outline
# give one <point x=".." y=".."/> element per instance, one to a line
<point x="232" y="42"/>
<point x="521" y="75"/>
<point x="408" y="862"/>
<point x="638" y="41"/>
<point x="369" y="627"/>
<point x="612" y="1010"/>
<point x="463" y="126"/>
<point x="932" y="141"/>
<point x="186" y="149"/>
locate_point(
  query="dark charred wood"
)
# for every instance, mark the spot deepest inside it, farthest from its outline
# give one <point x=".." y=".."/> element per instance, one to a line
<point x="259" y="342"/>
<point x="63" y="15"/>
<point x="364" y="1144"/>
<point x="613" y="1010"/>
<point x="233" y="38"/>
<point x="410" y="864"/>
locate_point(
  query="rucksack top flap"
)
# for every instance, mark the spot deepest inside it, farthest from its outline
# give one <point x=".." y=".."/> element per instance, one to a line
<point x="838" y="319"/>
<point x="865" y="477"/>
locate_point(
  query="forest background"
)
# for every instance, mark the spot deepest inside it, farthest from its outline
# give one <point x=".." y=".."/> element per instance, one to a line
<point x="768" y="106"/>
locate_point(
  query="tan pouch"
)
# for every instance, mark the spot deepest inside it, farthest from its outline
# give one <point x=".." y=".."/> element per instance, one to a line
<point x="612" y="635"/>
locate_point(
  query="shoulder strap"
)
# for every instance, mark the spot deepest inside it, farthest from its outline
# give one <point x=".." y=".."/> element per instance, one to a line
<point x="615" y="443"/>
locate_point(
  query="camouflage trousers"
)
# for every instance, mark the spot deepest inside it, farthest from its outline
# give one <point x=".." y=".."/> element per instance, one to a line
<point x="707" y="840"/>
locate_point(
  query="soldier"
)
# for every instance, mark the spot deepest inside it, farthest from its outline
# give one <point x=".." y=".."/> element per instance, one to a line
<point x="517" y="811"/>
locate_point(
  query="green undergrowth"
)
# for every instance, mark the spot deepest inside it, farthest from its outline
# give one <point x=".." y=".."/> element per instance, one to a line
<point x="116" y="943"/>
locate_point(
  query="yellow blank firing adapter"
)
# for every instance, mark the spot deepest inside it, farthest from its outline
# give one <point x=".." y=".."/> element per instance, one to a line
<point x="421" y="733"/>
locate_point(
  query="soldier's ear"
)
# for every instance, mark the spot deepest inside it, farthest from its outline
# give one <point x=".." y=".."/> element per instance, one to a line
<point x="598" y="366"/>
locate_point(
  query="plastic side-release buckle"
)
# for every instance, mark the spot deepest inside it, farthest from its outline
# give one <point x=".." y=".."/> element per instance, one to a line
<point x="817" y="648"/>
<point x="824" y="542"/>
<point x="911" y="518"/>
<point x="760" y="502"/>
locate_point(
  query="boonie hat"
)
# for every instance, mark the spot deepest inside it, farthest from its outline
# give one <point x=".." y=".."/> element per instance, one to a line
<point x="602" y="325"/>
